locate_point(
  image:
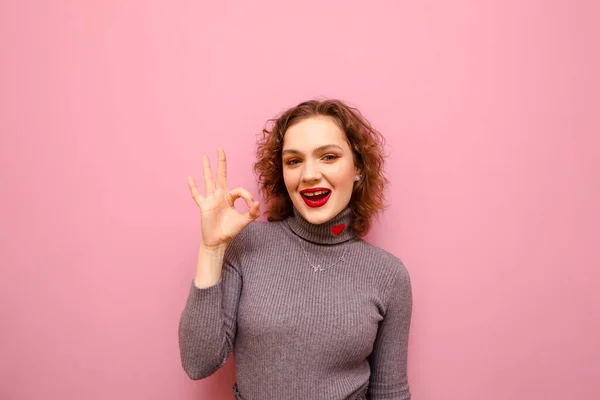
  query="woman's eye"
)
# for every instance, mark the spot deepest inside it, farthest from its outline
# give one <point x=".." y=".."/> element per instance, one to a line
<point x="328" y="157"/>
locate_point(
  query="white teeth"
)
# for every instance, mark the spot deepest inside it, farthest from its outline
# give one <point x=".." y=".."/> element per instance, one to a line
<point x="315" y="193"/>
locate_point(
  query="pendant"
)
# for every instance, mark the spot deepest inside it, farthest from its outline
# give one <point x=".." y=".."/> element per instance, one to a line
<point x="317" y="268"/>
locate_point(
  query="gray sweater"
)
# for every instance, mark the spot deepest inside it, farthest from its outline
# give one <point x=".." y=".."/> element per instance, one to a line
<point x="337" y="332"/>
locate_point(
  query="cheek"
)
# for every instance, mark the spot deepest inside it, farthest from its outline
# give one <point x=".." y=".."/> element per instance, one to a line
<point x="343" y="176"/>
<point x="289" y="180"/>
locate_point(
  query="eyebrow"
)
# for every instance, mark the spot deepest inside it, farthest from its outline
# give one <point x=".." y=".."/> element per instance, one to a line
<point x="317" y="150"/>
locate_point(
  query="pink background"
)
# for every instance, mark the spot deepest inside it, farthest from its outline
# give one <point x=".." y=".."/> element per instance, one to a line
<point x="490" y="109"/>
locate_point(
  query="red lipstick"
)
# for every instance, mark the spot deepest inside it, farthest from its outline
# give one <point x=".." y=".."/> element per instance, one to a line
<point x="316" y="200"/>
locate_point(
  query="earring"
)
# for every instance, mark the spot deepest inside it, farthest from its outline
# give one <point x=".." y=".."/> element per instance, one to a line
<point x="357" y="178"/>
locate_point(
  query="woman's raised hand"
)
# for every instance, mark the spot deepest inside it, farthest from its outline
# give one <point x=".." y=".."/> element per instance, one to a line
<point x="220" y="221"/>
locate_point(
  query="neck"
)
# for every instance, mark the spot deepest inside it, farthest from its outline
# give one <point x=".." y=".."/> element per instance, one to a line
<point x="336" y="230"/>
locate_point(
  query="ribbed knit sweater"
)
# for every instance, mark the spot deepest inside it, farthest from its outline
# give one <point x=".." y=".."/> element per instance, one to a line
<point x="340" y="332"/>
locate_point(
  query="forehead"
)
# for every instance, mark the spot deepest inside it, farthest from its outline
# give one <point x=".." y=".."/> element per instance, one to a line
<point x="314" y="132"/>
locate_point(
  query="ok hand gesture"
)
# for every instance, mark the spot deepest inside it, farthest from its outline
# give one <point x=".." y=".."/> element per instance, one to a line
<point x="220" y="221"/>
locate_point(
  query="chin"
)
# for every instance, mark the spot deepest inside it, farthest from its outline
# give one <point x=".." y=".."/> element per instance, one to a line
<point x="317" y="216"/>
<point x="317" y="219"/>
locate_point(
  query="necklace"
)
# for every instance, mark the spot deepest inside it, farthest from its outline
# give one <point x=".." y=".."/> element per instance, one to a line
<point x="318" y="268"/>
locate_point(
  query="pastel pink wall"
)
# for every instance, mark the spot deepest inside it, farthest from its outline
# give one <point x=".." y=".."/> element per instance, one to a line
<point x="490" y="109"/>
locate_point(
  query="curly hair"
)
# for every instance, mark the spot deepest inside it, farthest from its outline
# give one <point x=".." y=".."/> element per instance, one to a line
<point x="367" y="145"/>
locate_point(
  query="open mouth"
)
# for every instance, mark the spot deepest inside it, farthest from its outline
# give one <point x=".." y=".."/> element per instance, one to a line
<point x="317" y="198"/>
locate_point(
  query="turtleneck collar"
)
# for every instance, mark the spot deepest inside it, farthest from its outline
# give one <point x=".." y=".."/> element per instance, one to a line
<point x="336" y="230"/>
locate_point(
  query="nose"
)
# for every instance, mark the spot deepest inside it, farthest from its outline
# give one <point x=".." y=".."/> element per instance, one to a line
<point x="311" y="172"/>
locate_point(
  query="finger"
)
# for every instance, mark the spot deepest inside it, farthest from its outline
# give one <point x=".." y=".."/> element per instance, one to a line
<point x="209" y="184"/>
<point x="254" y="211"/>
<point x="194" y="190"/>
<point x="243" y="193"/>
<point x="222" y="170"/>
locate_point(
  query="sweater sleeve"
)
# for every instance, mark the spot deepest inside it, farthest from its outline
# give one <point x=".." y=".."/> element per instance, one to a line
<point x="388" y="361"/>
<point x="207" y="326"/>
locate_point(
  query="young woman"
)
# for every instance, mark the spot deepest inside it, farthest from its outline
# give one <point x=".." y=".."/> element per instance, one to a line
<point x="311" y="309"/>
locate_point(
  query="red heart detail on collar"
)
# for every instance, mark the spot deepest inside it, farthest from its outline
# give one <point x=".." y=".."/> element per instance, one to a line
<point x="337" y="229"/>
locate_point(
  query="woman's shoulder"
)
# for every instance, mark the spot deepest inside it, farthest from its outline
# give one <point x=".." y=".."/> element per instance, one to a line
<point x="383" y="260"/>
<point x="259" y="228"/>
<point x="255" y="233"/>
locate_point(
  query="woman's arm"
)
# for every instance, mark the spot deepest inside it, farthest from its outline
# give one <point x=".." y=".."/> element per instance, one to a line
<point x="389" y="379"/>
<point x="207" y="327"/>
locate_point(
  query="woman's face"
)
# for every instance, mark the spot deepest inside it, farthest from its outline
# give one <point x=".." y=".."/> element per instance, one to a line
<point x="316" y="156"/>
